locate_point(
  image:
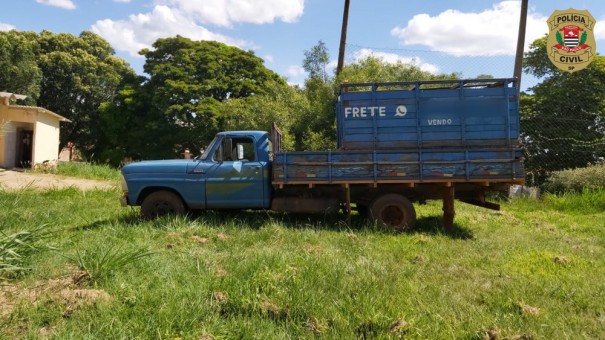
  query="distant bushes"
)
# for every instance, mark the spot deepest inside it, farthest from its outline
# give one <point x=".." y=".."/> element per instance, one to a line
<point x="576" y="180"/>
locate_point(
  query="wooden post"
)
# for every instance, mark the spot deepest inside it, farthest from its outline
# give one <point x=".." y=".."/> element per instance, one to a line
<point x="448" y="207"/>
<point x="348" y="202"/>
<point x="520" y="44"/>
<point x="343" y="38"/>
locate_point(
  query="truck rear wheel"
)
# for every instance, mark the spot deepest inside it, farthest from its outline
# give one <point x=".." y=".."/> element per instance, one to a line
<point x="393" y="211"/>
<point x="162" y="203"/>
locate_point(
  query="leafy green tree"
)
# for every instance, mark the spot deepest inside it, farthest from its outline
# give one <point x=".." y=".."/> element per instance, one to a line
<point x="315" y="129"/>
<point x="19" y="71"/>
<point x="188" y="82"/>
<point x="563" y="119"/>
<point x="282" y="104"/>
<point x="373" y="69"/>
<point x="316" y="61"/>
<point x="79" y="75"/>
<point x="124" y="124"/>
<point x="70" y="75"/>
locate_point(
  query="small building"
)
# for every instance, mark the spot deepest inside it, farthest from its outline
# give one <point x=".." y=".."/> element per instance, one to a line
<point x="28" y="134"/>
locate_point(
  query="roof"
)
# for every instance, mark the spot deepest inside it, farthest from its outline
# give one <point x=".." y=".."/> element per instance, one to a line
<point x="12" y="95"/>
<point x="39" y="109"/>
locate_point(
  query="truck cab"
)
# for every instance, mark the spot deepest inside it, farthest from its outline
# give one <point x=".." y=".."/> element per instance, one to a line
<point x="232" y="173"/>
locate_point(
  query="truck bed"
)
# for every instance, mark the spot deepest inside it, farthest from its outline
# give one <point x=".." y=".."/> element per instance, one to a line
<point x="445" y="113"/>
<point x="399" y="166"/>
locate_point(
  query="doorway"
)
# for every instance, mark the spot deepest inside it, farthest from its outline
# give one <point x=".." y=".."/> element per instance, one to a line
<point x="25" y="142"/>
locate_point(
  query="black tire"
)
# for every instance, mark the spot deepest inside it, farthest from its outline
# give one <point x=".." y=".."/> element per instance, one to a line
<point x="162" y="203"/>
<point x="393" y="211"/>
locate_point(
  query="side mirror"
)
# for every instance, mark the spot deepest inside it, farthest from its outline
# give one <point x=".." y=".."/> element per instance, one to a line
<point x="240" y="151"/>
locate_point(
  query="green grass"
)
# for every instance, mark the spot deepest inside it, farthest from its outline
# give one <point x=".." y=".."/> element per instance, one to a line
<point x="534" y="269"/>
<point x="84" y="170"/>
<point x="16" y="248"/>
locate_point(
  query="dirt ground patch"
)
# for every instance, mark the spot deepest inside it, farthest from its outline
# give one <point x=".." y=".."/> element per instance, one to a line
<point x="15" y="180"/>
<point x="69" y="292"/>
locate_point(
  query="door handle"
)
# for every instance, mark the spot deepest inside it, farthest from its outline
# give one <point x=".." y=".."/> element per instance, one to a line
<point x="198" y="171"/>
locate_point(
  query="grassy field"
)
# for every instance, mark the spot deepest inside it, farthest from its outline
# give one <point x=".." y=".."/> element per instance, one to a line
<point x="83" y="170"/>
<point x="95" y="270"/>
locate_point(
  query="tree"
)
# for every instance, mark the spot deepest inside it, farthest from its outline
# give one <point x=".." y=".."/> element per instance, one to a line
<point x="123" y="124"/>
<point x="374" y="69"/>
<point x="19" y="71"/>
<point x="563" y="120"/>
<point x="79" y="75"/>
<point x="314" y="128"/>
<point x="188" y="82"/>
<point x="282" y="104"/>
<point x="316" y="60"/>
<point x="72" y="76"/>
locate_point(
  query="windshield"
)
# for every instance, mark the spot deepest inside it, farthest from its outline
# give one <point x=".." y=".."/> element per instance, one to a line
<point x="206" y="152"/>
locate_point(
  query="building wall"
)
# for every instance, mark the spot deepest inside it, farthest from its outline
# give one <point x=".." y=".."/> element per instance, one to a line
<point x="46" y="139"/>
<point x="8" y="146"/>
<point x="6" y="135"/>
<point x="45" y="129"/>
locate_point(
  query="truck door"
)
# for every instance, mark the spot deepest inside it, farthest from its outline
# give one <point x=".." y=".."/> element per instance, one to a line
<point x="239" y="179"/>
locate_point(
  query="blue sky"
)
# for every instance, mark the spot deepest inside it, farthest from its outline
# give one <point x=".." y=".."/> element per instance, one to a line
<point x="471" y="37"/>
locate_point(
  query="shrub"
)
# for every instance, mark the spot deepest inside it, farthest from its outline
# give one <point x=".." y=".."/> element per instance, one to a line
<point x="88" y="170"/>
<point x="15" y="250"/>
<point x="576" y="180"/>
<point x="101" y="263"/>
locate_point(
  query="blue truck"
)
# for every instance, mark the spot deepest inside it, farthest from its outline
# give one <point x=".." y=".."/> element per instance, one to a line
<point x="398" y="144"/>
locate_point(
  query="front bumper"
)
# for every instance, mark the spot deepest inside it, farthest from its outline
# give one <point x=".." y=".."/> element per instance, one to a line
<point x="124" y="200"/>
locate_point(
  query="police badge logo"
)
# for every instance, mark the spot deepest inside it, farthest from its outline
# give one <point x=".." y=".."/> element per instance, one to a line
<point x="570" y="43"/>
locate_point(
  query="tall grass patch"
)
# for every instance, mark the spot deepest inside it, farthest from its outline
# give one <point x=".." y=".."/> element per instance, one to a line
<point x="16" y="249"/>
<point x="576" y="180"/>
<point x="86" y="170"/>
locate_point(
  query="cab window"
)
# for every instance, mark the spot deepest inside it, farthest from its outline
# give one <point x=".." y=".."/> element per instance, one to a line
<point x="236" y="149"/>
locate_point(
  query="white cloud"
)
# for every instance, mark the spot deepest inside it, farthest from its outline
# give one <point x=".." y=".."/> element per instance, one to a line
<point x="6" y="27"/>
<point x="227" y="12"/>
<point x="599" y="30"/>
<point x="142" y="30"/>
<point x="190" y="18"/>
<point x="123" y="1"/>
<point x="65" y="4"/>
<point x="295" y="71"/>
<point x="332" y="65"/>
<point x="392" y="58"/>
<point x="490" y="32"/>
<point x="268" y="58"/>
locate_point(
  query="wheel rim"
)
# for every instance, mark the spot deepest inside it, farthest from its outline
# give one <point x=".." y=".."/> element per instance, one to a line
<point x="163" y="208"/>
<point x="392" y="216"/>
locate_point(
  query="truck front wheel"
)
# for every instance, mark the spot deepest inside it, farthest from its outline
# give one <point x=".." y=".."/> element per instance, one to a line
<point x="162" y="203"/>
<point x="393" y="211"/>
